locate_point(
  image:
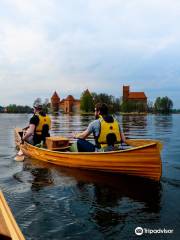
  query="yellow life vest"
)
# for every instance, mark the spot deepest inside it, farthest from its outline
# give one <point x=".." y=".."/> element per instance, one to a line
<point x="42" y="121"/>
<point x="107" y="128"/>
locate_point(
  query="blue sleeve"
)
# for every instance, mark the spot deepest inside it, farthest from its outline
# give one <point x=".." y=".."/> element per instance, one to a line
<point x="94" y="127"/>
<point x="90" y="128"/>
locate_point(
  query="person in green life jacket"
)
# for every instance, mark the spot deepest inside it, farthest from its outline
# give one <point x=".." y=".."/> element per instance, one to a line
<point x="105" y="129"/>
<point x="39" y="126"/>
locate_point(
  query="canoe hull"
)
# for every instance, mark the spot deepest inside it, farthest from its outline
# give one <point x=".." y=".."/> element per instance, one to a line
<point x="142" y="160"/>
<point x="8" y="226"/>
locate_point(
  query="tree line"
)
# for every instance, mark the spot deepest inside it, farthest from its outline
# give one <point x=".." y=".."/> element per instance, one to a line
<point x="163" y="105"/>
<point x="88" y="101"/>
<point x="13" y="108"/>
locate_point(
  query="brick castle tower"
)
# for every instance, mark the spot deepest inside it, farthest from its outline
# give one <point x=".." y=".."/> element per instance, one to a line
<point x="55" y="101"/>
<point x="125" y="93"/>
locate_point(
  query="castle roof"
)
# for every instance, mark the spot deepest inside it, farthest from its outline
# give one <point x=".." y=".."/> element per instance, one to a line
<point x="55" y="96"/>
<point x="137" y="95"/>
<point x="70" y="98"/>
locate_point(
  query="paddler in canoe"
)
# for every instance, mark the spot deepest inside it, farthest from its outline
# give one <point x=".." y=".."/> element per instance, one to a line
<point x="37" y="130"/>
<point x="39" y="126"/>
<point x="105" y="129"/>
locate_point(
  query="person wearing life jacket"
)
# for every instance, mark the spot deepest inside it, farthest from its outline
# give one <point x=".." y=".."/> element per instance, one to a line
<point x="105" y="129"/>
<point x="109" y="134"/>
<point x="39" y="126"/>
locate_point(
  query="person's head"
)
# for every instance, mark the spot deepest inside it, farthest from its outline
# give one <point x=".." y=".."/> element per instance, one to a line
<point x="37" y="107"/>
<point x="101" y="109"/>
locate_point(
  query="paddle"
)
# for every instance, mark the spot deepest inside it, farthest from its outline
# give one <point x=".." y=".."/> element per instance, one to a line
<point x="20" y="156"/>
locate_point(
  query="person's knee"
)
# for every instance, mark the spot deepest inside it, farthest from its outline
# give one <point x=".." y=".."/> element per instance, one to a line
<point x="81" y="141"/>
<point x="85" y="146"/>
<point x="80" y="144"/>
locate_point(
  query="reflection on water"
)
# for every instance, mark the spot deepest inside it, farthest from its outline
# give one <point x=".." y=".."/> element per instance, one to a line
<point x="110" y="199"/>
<point x="117" y="186"/>
<point x="134" y="125"/>
<point x="40" y="177"/>
<point x="164" y="121"/>
<point x="51" y="202"/>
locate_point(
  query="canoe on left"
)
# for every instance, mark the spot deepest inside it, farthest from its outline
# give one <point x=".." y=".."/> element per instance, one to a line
<point x="8" y="226"/>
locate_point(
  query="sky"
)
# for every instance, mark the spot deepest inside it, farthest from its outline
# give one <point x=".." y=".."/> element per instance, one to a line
<point x="71" y="45"/>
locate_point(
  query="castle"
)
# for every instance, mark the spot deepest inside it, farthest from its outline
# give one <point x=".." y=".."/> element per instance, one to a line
<point x="67" y="105"/>
<point x="70" y="104"/>
<point x="134" y="97"/>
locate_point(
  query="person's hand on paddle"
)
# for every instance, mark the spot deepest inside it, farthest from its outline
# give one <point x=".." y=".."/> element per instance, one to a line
<point x="75" y="135"/>
<point x="22" y="141"/>
<point x="81" y="135"/>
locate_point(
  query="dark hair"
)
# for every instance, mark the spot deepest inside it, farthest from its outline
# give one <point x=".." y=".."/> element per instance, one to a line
<point x="102" y="108"/>
<point x="37" y="106"/>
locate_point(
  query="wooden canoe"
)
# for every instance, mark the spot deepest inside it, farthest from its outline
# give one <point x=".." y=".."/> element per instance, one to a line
<point x="143" y="159"/>
<point x="8" y="226"/>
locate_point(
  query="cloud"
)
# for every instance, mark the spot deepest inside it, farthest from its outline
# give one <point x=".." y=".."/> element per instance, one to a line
<point x="72" y="45"/>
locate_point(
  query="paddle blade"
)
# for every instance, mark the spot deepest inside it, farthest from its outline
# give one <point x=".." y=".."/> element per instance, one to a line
<point x="19" y="158"/>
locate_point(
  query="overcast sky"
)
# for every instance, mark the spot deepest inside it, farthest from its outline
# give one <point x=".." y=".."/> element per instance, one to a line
<point x="71" y="45"/>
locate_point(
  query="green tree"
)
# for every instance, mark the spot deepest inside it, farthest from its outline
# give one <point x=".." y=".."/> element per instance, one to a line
<point x="163" y="105"/>
<point x="128" y="106"/>
<point x="150" y="107"/>
<point x="86" y="102"/>
<point x="102" y="98"/>
<point x="115" y="104"/>
<point x="112" y="102"/>
<point x="45" y="105"/>
<point x="1" y="109"/>
<point x="13" y="108"/>
<point x="133" y="106"/>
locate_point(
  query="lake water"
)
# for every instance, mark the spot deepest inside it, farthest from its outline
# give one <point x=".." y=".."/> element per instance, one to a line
<point x="51" y="202"/>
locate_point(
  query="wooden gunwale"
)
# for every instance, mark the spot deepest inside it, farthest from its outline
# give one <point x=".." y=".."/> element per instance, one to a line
<point x="95" y="153"/>
<point x="92" y="153"/>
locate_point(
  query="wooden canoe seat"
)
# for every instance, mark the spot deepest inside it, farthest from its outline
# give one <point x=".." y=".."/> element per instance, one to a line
<point x="57" y="143"/>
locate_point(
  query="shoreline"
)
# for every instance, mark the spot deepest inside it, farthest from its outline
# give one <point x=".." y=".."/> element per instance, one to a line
<point x="92" y="113"/>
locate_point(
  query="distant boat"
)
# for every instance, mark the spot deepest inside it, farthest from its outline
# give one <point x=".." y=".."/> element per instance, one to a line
<point x="142" y="159"/>
<point x="8" y="226"/>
